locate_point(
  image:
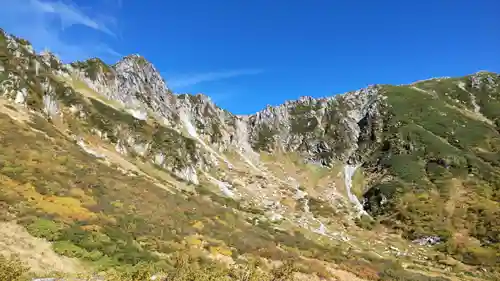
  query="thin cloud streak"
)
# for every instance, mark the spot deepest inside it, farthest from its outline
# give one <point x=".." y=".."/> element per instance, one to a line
<point x="42" y="23"/>
<point x="191" y="80"/>
<point x="69" y="15"/>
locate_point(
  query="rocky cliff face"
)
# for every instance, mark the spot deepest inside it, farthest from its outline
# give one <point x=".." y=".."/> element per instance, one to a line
<point x="383" y="151"/>
<point x="324" y="130"/>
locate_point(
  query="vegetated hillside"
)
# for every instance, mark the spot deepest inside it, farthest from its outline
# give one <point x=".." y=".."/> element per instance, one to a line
<point x="436" y="173"/>
<point x="113" y="169"/>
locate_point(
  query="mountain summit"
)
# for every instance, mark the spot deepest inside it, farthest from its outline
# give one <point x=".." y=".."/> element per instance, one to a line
<point x="111" y="167"/>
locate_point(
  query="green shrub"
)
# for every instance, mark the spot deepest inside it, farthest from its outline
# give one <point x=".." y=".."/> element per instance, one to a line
<point x="393" y="271"/>
<point x="398" y="274"/>
<point x="45" y="228"/>
<point x="479" y="256"/>
<point x="365" y="222"/>
<point x="69" y="249"/>
<point x="94" y="255"/>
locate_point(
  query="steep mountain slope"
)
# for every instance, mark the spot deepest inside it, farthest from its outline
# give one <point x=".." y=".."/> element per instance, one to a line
<point x="113" y="168"/>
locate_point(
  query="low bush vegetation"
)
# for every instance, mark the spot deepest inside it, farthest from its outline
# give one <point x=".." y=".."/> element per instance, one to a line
<point x="183" y="268"/>
<point x="441" y="170"/>
<point x="365" y="222"/>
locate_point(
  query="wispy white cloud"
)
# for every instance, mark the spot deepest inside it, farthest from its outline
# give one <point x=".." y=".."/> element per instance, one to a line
<point x="194" y="79"/>
<point x="42" y="22"/>
<point x="68" y="14"/>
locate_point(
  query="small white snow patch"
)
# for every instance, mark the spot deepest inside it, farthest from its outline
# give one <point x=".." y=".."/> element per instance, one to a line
<point x="349" y="171"/>
<point x="159" y="158"/>
<point x="322" y="229"/>
<point x="188" y="174"/>
<point x="223" y="186"/>
<point x="188" y="125"/>
<point x="383" y="200"/>
<point x="140" y="148"/>
<point x="275" y="217"/>
<point x="225" y="189"/>
<point x="50" y="107"/>
<point x="138" y="114"/>
<point x="428" y="240"/>
<point x="21" y="96"/>
<point x="73" y="109"/>
<point x="37" y="67"/>
<point x="299" y="194"/>
<point x="90" y="151"/>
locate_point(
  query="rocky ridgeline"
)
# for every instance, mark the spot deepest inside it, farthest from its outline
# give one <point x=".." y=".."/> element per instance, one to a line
<point x="190" y="132"/>
<point x="325" y="130"/>
<point x="185" y="134"/>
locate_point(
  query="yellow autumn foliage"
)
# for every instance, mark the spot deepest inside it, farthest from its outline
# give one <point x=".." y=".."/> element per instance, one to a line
<point x="80" y="194"/>
<point x="117" y="204"/>
<point x="193" y="240"/>
<point x="65" y="207"/>
<point x="214" y="250"/>
<point x="198" y="225"/>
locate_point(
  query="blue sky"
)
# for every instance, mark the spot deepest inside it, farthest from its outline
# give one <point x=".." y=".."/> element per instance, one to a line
<point x="246" y="54"/>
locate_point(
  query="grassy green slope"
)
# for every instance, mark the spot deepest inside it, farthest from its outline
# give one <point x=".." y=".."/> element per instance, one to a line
<point x="438" y="166"/>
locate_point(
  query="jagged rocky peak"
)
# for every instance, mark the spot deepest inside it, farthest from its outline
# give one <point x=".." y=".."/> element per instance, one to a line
<point x="308" y="125"/>
<point x="322" y="129"/>
<point x="137" y="79"/>
<point x="136" y="83"/>
<point x="133" y="81"/>
<point x="137" y="68"/>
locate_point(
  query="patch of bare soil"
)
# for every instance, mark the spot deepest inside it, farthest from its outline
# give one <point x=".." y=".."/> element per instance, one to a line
<point x="35" y="252"/>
